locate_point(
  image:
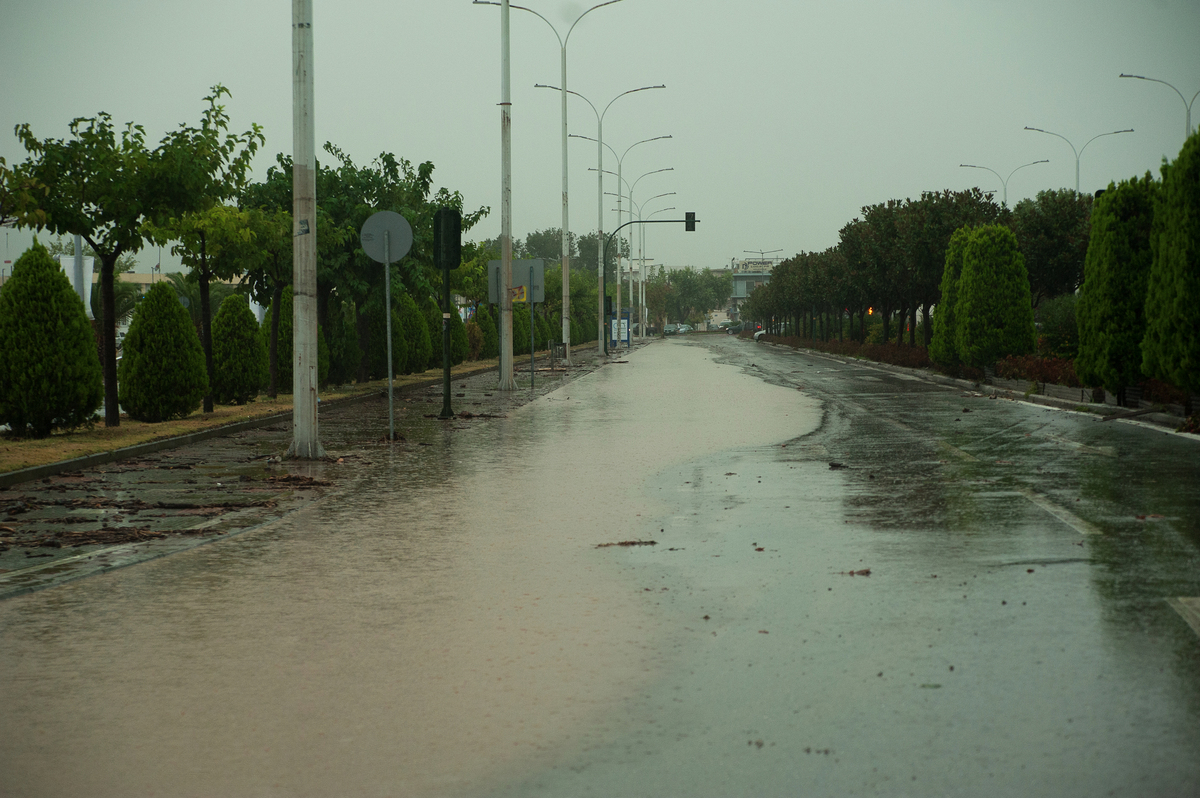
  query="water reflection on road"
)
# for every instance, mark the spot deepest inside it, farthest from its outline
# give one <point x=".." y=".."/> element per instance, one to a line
<point x="437" y="625"/>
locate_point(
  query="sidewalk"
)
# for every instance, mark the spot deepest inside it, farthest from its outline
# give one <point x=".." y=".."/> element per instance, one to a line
<point x="76" y="518"/>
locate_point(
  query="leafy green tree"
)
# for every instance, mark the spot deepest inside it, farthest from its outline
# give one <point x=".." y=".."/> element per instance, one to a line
<point x="943" y="349"/>
<point x="1112" y="301"/>
<point x="216" y="244"/>
<point x="993" y="312"/>
<point x="585" y="260"/>
<point x="1052" y="233"/>
<point x="105" y="189"/>
<point x="239" y="356"/>
<point x="162" y="370"/>
<point x="270" y="273"/>
<point x="487" y="327"/>
<point x="49" y="370"/>
<point x="19" y="198"/>
<point x="1171" y="347"/>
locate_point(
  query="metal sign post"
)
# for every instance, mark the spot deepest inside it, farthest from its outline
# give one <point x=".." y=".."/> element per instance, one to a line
<point x="447" y="255"/>
<point x="386" y="237"/>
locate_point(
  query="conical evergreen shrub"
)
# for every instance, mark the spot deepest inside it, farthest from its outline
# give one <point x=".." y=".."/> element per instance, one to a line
<point x="943" y="349"/>
<point x="49" y="371"/>
<point x="1171" y="347"/>
<point x="401" y="350"/>
<point x="486" y="320"/>
<point x="1110" y="312"/>
<point x="283" y="352"/>
<point x="161" y="374"/>
<point x="993" y="310"/>
<point x="520" y="325"/>
<point x="416" y="334"/>
<point x="344" y="351"/>
<point x="239" y="354"/>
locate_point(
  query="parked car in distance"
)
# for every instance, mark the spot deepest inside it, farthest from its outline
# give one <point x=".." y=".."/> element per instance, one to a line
<point x="671" y="329"/>
<point x="685" y="328"/>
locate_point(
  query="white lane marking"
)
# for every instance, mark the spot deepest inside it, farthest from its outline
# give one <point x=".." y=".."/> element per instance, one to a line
<point x="1061" y="513"/>
<point x="1107" y="451"/>
<point x="1189" y="609"/>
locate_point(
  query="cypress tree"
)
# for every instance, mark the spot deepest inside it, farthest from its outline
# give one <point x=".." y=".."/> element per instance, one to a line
<point x="487" y="326"/>
<point x="283" y="344"/>
<point x="50" y="373"/>
<point x="416" y="334"/>
<point x="1110" y="311"/>
<point x="433" y="322"/>
<point x="1171" y="347"/>
<point x="239" y="354"/>
<point x="344" y="351"/>
<point x="520" y="325"/>
<point x="993" y="313"/>
<point x="943" y="348"/>
<point x="162" y="373"/>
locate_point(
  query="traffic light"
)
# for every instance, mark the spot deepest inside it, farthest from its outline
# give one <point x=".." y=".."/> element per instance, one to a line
<point x="447" y="238"/>
<point x="689" y="222"/>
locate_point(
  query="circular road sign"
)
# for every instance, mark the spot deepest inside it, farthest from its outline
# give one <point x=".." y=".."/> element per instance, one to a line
<point x="399" y="236"/>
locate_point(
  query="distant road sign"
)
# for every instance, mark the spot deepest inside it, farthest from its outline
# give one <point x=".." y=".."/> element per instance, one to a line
<point x="520" y="277"/>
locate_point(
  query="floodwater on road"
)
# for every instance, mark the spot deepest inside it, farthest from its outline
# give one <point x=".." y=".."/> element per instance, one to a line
<point x="438" y="625"/>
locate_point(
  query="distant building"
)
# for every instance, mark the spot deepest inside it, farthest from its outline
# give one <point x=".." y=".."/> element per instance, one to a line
<point x="747" y="275"/>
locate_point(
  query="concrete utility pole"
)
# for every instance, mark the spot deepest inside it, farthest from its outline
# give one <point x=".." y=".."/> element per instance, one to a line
<point x="305" y="444"/>
<point x="507" y="382"/>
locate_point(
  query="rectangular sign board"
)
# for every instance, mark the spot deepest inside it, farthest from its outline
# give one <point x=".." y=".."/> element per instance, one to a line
<point x="520" y="278"/>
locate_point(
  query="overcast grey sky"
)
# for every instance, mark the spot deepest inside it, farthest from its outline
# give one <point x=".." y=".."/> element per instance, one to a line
<point x="786" y="116"/>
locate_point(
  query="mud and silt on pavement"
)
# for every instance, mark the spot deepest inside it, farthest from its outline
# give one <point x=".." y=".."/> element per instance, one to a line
<point x="77" y="523"/>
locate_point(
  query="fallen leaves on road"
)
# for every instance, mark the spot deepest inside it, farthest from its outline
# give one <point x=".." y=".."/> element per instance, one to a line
<point x="628" y="543"/>
<point x="862" y="572"/>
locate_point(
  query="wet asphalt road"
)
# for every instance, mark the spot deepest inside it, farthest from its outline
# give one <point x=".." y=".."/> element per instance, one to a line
<point x="446" y="625"/>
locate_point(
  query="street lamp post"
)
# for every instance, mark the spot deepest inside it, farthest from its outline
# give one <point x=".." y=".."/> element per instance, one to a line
<point x="1004" y="180"/>
<point x="620" y="161"/>
<point x="641" y="253"/>
<point x="602" y="346"/>
<point x="1078" y="152"/>
<point x="1187" y="104"/>
<point x="566" y="235"/>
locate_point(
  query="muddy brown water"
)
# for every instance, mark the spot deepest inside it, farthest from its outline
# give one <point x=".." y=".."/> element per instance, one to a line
<point x="432" y="626"/>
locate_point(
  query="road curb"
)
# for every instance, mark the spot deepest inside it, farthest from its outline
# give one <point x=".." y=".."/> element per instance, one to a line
<point x="1165" y="421"/>
<point x="32" y="473"/>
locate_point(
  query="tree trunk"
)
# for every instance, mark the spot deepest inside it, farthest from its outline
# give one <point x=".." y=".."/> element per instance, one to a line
<point x="273" y="348"/>
<point x="108" y="335"/>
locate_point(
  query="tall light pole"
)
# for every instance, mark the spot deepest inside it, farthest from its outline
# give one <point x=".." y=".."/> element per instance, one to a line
<point x="637" y="206"/>
<point x="1004" y="180"/>
<point x="620" y="161"/>
<point x="1187" y="104"/>
<point x="305" y="443"/>
<point x="602" y="345"/>
<point x="642" y="257"/>
<point x="1078" y="152"/>
<point x="566" y="223"/>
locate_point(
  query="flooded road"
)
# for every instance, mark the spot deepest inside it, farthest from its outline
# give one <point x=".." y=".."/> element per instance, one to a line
<point x="443" y="623"/>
